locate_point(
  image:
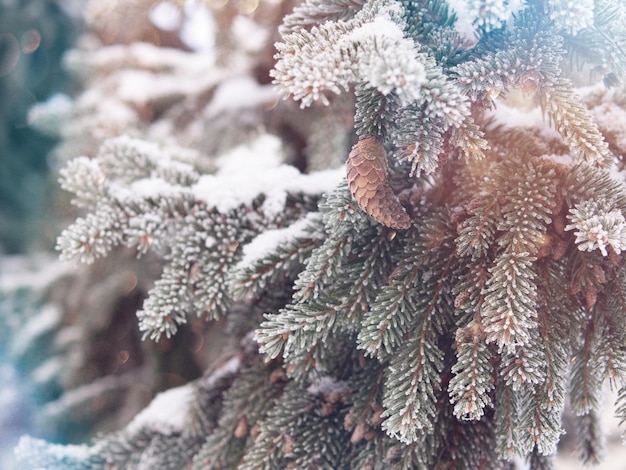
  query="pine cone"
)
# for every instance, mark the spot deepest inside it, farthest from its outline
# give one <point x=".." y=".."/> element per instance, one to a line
<point x="367" y="176"/>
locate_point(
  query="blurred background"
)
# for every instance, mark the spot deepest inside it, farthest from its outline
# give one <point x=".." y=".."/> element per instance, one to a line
<point x="34" y="35"/>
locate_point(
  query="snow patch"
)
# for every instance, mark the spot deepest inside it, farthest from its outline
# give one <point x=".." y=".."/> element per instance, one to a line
<point x="198" y="31"/>
<point x="166" y="16"/>
<point x="231" y="367"/>
<point x="263" y="153"/>
<point x="87" y="394"/>
<point x="48" y="318"/>
<point x="34" y="272"/>
<point x="29" y="446"/>
<point x="240" y="92"/>
<point x="514" y="117"/>
<point x="152" y="188"/>
<point x="166" y="413"/>
<point x="267" y="242"/>
<point x="248" y="34"/>
<point x="48" y="371"/>
<point x="382" y="26"/>
<point x="612" y="119"/>
<point x="327" y="386"/>
<point x="140" y="87"/>
<point x="251" y="169"/>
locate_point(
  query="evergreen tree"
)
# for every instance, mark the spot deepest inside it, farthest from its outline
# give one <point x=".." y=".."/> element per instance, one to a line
<point x="437" y="302"/>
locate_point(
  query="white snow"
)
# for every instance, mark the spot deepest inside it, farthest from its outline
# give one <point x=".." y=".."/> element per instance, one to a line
<point x="248" y="34"/>
<point x="142" y="56"/>
<point x="327" y="385"/>
<point x="29" y="446"/>
<point x="243" y="174"/>
<point x="9" y="390"/>
<point x="166" y="413"/>
<point x="250" y="170"/>
<point x="612" y="118"/>
<point x="382" y="26"/>
<point x="267" y="242"/>
<point x="141" y="87"/>
<point x="166" y="16"/>
<point x="198" y="31"/>
<point x="48" y="318"/>
<point x="52" y="112"/>
<point x="48" y="371"/>
<point x="151" y="188"/>
<point x="230" y="367"/>
<point x="265" y="152"/>
<point x="240" y="92"/>
<point x="513" y="117"/>
<point x="34" y="272"/>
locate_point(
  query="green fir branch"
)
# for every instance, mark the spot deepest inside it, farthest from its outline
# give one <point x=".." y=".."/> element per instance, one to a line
<point x="314" y="12"/>
<point x="585" y="375"/>
<point x="413" y="386"/>
<point x="470" y="388"/>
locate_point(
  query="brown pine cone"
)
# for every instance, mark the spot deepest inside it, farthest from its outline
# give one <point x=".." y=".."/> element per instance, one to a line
<point x="367" y="176"/>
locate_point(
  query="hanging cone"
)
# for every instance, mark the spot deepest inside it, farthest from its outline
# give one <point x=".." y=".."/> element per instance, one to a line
<point x="367" y="176"/>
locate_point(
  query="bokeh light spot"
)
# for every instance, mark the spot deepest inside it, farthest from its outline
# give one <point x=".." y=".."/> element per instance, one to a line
<point x="31" y="40"/>
<point x="123" y="357"/>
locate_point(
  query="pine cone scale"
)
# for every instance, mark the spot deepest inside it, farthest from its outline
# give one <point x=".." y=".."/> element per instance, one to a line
<point x="367" y="176"/>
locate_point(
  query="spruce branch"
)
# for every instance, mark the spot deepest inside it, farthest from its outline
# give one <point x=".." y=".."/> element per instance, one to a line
<point x="84" y="177"/>
<point x="472" y="383"/>
<point x="468" y="298"/>
<point x="525" y="366"/>
<point x="585" y="376"/>
<point x="574" y="122"/>
<point x="314" y="12"/>
<point x="413" y="387"/>
<point x="620" y="408"/>
<point x="375" y="113"/>
<point x="531" y="63"/>
<point x="388" y="319"/>
<point x="506" y="419"/>
<point x="301" y="330"/>
<point x="477" y="233"/>
<point x="93" y="236"/>
<point x="591" y="442"/>
<point x="509" y="310"/>
<point x="305" y="69"/>
<point x="597" y="227"/>
<point x="613" y="349"/>
<point x="246" y="403"/>
<point x="539" y="426"/>
<point x="276" y="255"/>
<point x="291" y="432"/>
<point x="555" y="324"/>
<point x="586" y="182"/>
<point x="599" y="43"/>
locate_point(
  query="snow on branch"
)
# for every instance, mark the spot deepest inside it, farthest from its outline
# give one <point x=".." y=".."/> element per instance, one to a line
<point x="598" y="228"/>
<point x="336" y="54"/>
